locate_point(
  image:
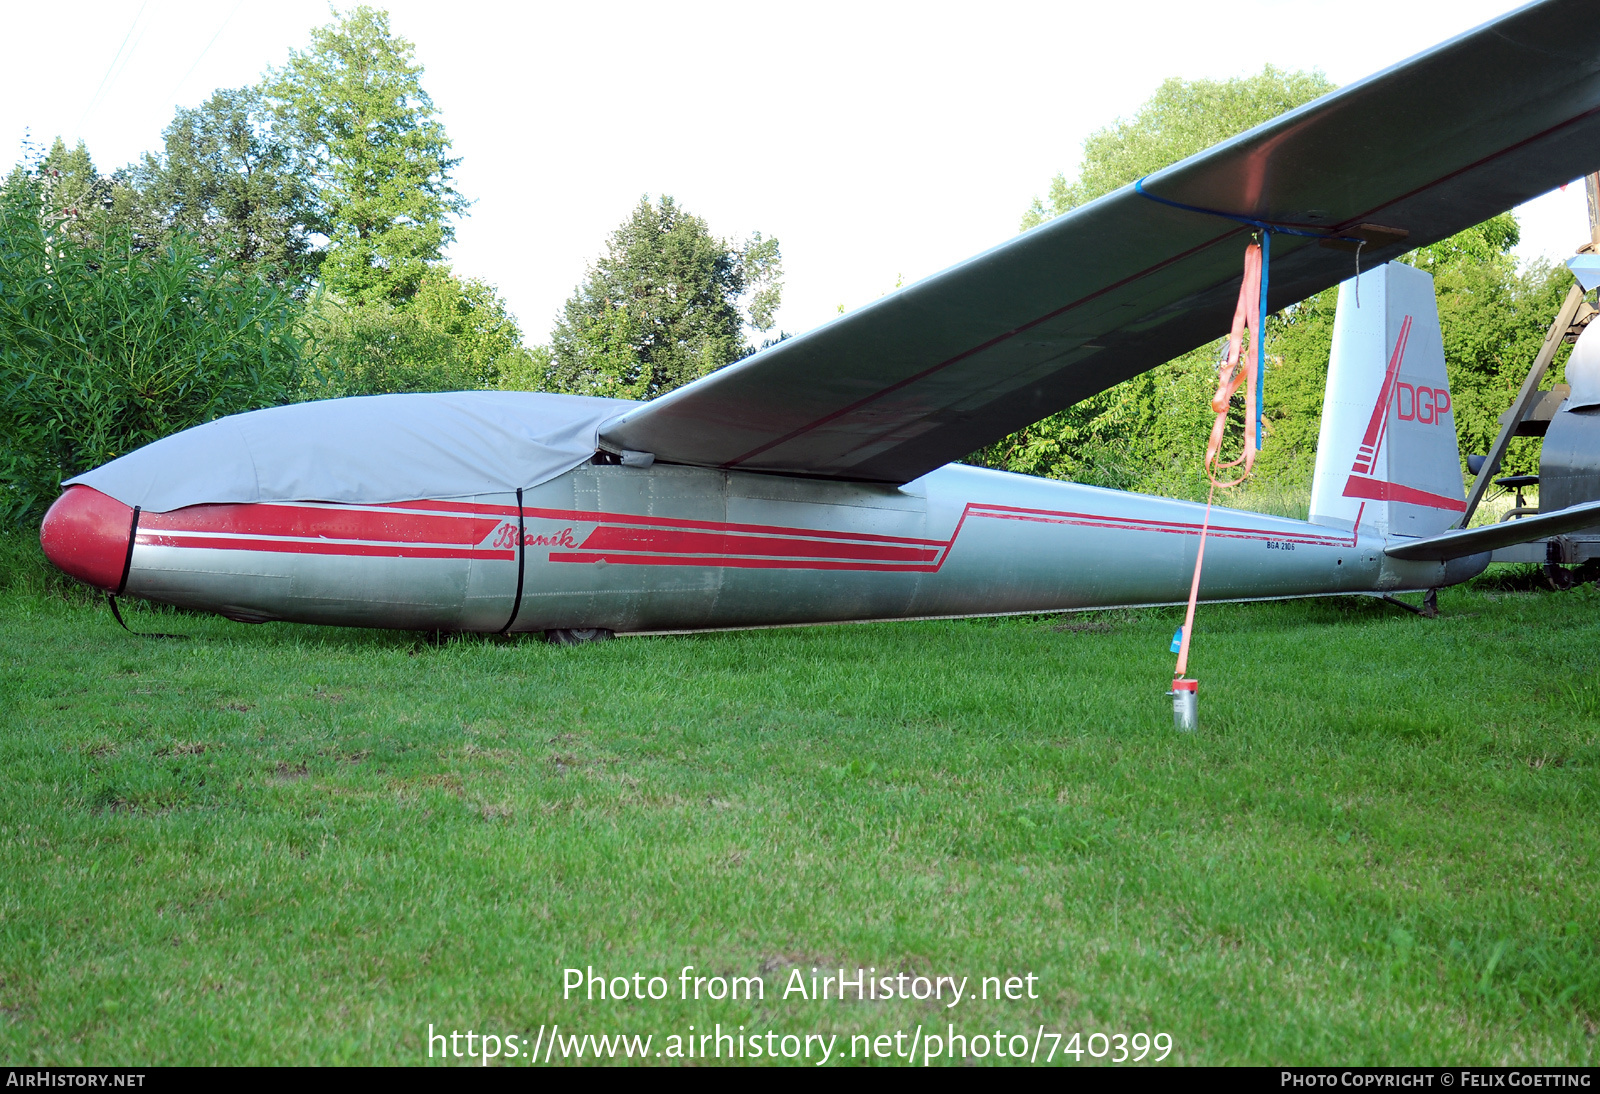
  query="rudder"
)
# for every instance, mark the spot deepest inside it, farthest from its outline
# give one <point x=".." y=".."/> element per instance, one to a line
<point x="1387" y="457"/>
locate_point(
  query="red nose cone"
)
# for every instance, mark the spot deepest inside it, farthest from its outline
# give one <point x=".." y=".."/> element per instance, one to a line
<point x="86" y="534"/>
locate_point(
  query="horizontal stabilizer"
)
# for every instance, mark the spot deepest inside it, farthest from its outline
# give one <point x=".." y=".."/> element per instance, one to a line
<point x="1491" y="537"/>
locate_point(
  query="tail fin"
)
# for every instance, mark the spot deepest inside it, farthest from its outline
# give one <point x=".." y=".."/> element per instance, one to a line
<point x="1387" y="458"/>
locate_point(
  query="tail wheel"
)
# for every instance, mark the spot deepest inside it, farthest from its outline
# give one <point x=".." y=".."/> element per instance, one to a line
<point x="1560" y="578"/>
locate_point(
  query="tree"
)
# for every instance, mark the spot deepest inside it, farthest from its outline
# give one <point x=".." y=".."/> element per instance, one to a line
<point x="1143" y="433"/>
<point x="1493" y="316"/>
<point x="1148" y="432"/>
<point x="452" y="335"/>
<point x="379" y="156"/>
<point x="234" y="185"/>
<point x="663" y="306"/>
<point x="1183" y="117"/>
<point x="74" y="199"/>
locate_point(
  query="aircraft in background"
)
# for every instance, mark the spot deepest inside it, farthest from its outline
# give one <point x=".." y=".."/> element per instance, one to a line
<point x="812" y="482"/>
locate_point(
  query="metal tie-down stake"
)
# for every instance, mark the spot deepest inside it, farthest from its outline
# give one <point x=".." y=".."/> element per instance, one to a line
<point x="1185" y="705"/>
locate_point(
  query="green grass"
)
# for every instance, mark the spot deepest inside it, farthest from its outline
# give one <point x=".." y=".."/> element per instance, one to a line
<point x="287" y="844"/>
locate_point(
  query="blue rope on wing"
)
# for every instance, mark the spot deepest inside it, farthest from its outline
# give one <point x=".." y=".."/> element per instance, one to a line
<point x="1266" y="228"/>
<point x="1263" y="225"/>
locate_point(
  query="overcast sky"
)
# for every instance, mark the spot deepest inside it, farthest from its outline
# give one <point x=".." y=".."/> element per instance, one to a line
<point x="877" y="141"/>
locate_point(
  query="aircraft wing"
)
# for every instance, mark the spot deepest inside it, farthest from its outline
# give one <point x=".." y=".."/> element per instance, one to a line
<point x="929" y="374"/>
<point x="1491" y="537"/>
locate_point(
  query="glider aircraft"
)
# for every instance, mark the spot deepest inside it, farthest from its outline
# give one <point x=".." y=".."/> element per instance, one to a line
<point x="812" y="482"/>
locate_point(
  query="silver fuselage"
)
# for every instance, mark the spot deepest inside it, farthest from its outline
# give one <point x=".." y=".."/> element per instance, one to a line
<point x="671" y="548"/>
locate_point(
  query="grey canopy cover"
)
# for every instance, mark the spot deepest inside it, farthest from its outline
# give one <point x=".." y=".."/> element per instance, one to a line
<point x="377" y="448"/>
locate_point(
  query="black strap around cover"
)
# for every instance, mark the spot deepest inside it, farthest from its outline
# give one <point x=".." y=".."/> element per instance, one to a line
<point x="127" y="560"/>
<point x="111" y="599"/>
<point x="127" y="566"/>
<point x="522" y="556"/>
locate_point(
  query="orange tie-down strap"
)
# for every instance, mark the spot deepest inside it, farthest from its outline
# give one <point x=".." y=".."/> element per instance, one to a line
<point x="1235" y="368"/>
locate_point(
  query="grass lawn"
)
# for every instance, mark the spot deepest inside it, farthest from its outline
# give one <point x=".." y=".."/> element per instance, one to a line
<point x="288" y="844"/>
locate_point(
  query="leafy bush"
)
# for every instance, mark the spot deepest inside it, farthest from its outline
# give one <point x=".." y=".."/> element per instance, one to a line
<point x="453" y="335"/>
<point x="104" y="348"/>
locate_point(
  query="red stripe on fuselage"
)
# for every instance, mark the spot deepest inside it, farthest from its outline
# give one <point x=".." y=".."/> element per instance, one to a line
<point x="322" y="547"/>
<point x="742" y="563"/>
<point x="620" y="538"/>
<point x="587" y="516"/>
<point x="672" y="541"/>
<point x="592" y="516"/>
<point x="1049" y="516"/>
<point x="674" y="551"/>
<point x="319" y="522"/>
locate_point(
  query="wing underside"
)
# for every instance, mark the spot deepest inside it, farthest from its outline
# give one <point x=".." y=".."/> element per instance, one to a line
<point x="1431" y="146"/>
